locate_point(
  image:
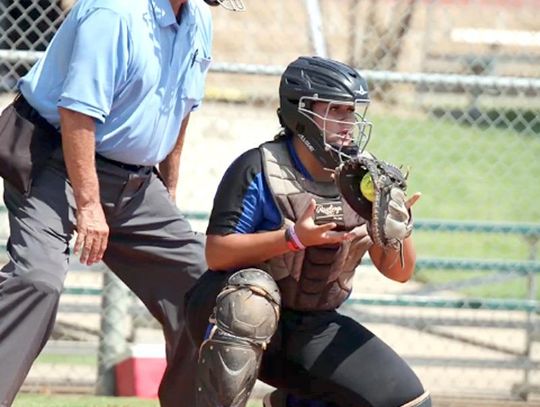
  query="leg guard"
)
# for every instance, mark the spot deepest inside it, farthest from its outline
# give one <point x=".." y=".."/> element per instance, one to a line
<point x="245" y="318"/>
<point x="423" y="400"/>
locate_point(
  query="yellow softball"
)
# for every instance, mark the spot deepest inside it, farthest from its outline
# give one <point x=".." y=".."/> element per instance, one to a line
<point x="366" y="187"/>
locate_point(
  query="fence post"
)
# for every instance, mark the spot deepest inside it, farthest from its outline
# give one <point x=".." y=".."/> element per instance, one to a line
<point x="525" y="387"/>
<point x="115" y="331"/>
<point x="316" y="27"/>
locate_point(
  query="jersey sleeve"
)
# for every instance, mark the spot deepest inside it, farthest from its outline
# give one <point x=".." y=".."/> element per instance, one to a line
<point x="239" y="200"/>
<point x="98" y="63"/>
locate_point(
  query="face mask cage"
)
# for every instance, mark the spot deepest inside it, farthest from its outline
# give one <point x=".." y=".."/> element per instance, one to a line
<point x="232" y="5"/>
<point x="342" y="125"/>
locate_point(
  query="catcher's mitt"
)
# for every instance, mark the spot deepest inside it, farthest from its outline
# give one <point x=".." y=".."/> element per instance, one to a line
<point x="376" y="191"/>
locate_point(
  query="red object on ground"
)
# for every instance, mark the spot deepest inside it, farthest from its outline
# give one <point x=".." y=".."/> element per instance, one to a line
<point x="139" y="374"/>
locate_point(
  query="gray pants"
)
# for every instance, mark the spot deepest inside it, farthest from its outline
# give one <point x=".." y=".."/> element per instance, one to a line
<point x="151" y="248"/>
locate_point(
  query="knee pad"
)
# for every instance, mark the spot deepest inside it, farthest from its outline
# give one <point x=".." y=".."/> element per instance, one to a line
<point x="424" y="400"/>
<point x="248" y="306"/>
<point x="245" y="318"/>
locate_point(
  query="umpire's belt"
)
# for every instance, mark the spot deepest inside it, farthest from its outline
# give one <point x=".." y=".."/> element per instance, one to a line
<point x="32" y="115"/>
<point x="129" y="167"/>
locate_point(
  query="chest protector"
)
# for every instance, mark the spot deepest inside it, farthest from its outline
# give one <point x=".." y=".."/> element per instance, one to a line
<point x="319" y="277"/>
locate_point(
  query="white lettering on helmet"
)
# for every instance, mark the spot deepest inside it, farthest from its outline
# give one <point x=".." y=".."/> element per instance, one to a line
<point x="306" y="142"/>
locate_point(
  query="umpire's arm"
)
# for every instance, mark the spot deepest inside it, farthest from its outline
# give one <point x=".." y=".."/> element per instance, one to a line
<point x="169" y="168"/>
<point x="79" y="146"/>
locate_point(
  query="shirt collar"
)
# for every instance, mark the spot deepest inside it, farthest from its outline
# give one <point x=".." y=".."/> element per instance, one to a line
<point x="164" y="14"/>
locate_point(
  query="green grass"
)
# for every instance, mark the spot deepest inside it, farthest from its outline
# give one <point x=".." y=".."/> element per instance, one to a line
<point x="35" y="400"/>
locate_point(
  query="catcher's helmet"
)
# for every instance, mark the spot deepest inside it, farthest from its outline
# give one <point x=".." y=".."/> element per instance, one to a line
<point x="308" y="80"/>
<point x="233" y="5"/>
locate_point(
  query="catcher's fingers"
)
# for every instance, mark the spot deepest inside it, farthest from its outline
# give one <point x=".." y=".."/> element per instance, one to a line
<point x="325" y="227"/>
<point x="324" y="234"/>
<point x="359" y="231"/>
<point x="309" y="212"/>
<point x="413" y="199"/>
<point x="336" y="237"/>
<point x="311" y="234"/>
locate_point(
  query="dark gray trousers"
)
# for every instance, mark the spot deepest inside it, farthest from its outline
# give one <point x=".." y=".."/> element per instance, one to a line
<point x="151" y="248"/>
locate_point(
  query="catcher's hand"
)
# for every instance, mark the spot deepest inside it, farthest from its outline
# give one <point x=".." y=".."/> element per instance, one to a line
<point x="376" y="191"/>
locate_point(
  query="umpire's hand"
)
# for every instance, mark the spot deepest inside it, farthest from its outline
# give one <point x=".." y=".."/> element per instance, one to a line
<point x="92" y="233"/>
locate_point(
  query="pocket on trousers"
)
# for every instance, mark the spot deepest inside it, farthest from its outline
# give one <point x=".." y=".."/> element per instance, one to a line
<point x="24" y="149"/>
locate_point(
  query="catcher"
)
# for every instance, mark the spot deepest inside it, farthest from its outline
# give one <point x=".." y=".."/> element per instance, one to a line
<point x="283" y="245"/>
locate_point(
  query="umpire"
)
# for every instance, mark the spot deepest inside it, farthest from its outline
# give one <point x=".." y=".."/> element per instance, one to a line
<point x="116" y="85"/>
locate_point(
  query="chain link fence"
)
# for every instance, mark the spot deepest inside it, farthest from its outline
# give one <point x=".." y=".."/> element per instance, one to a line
<point x="455" y="88"/>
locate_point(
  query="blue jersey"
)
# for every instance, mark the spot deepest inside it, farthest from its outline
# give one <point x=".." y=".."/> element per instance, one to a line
<point x="244" y="202"/>
<point x="131" y="65"/>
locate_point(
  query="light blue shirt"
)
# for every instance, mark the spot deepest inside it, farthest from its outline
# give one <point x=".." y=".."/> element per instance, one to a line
<point x="129" y="65"/>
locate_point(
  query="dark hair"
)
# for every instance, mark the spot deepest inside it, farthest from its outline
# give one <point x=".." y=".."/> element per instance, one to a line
<point x="283" y="133"/>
